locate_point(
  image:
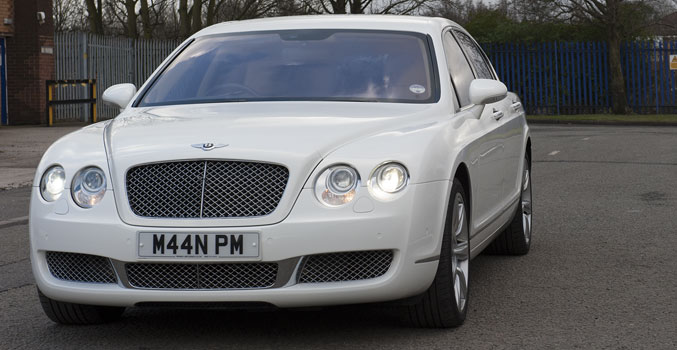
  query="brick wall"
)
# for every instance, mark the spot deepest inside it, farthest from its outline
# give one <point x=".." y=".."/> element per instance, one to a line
<point x="6" y="11"/>
<point x="27" y="67"/>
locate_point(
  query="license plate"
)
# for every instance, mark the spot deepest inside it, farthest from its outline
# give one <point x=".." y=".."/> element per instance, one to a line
<point x="190" y="245"/>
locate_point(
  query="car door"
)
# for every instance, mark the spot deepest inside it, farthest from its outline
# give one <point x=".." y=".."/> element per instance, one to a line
<point x="487" y="149"/>
<point x="499" y="120"/>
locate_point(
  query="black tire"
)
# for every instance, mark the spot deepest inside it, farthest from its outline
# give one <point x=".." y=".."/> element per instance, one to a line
<point x="514" y="240"/>
<point x="69" y="313"/>
<point x="438" y="306"/>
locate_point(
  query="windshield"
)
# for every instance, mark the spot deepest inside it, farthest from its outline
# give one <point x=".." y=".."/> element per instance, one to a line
<point x="298" y="65"/>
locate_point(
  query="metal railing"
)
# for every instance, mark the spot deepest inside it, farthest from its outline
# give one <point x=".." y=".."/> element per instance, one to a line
<point x="108" y="60"/>
<point x="55" y="85"/>
<point x="550" y="78"/>
<point x="574" y="77"/>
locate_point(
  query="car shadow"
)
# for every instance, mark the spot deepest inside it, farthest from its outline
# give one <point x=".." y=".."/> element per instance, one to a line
<point x="370" y="325"/>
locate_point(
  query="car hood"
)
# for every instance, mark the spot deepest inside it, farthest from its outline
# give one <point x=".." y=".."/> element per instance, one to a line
<point x="271" y="131"/>
<point x="295" y="134"/>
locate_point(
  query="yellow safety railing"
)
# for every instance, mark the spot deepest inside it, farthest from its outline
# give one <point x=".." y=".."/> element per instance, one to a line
<point x="55" y="84"/>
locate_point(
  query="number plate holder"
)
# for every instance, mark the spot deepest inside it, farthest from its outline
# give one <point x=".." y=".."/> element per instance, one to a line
<point x="227" y="245"/>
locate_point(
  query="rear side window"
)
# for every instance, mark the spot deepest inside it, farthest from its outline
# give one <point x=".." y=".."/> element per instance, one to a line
<point x="459" y="69"/>
<point x="475" y="56"/>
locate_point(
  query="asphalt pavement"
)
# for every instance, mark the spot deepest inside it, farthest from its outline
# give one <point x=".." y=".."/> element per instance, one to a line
<point x="602" y="271"/>
<point x="21" y="148"/>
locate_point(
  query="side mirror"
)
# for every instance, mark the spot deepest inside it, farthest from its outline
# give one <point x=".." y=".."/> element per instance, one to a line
<point x="484" y="91"/>
<point x="119" y="95"/>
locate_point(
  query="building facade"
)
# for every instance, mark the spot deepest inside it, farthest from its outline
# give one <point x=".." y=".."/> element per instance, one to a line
<point x="26" y="60"/>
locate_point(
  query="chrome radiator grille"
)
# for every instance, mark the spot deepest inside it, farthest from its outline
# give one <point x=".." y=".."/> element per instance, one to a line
<point x="205" y="189"/>
<point x="202" y="276"/>
<point x="80" y="267"/>
<point x="346" y="266"/>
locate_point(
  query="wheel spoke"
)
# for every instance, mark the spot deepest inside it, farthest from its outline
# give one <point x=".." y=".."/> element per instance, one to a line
<point x="460" y="219"/>
<point x="526" y="204"/>
<point x="526" y="207"/>
<point x="462" y="286"/>
<point x="461" y="251"/>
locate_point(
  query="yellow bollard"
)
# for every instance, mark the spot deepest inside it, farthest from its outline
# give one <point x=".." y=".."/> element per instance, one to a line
<point x="51" y="109"/>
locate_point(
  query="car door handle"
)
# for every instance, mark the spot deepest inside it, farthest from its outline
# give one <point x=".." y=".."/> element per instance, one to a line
<point x="516" y="106"/>
<point x="498" y="114"/>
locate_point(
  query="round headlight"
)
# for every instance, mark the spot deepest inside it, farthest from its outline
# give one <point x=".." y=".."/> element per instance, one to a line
<point x="89" y="186"/>
<point x="337" y="185"/>
<point x="342" y="180"/>
<point x="53" y="183"/>
<point x="388" y="179"/>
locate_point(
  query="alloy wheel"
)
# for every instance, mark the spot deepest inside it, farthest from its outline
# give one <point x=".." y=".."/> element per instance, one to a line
<point x="526" y="201"/>
<point x="460" y="254"/>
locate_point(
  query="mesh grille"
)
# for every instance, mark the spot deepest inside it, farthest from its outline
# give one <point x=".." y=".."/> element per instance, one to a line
<point x="348" y="266"/>
<point x="80" y="267"/>
<point x="231" y="189"/>
<point x="202" y="276"/>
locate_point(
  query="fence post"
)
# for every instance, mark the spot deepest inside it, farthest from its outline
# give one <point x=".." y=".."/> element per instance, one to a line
<point x="557" y="76"/>
<point x="132" y="61"/>
<point x="84" y="67"/>
<point x="656" y="61"/>
<point x="83" y="55"/>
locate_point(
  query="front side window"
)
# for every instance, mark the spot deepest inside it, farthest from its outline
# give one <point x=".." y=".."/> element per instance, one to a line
<point x="475" y="56"/>
<point x="305" y="65"/>
<point x="459" y="69"/>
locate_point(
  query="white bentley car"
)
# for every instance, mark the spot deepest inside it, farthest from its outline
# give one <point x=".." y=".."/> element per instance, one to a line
<point x="289" y="162"/>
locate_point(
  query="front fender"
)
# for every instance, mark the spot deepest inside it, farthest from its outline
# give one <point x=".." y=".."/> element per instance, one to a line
<point x="431" y="151"/>
<point x="74" y="151"/>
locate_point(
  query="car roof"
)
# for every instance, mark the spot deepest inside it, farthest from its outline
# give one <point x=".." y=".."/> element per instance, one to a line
<point x="419" y="24"/>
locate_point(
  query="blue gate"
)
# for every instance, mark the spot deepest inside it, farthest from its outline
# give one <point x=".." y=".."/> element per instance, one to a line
<point x="3" y="83"/>
<point x="573" y="77"/>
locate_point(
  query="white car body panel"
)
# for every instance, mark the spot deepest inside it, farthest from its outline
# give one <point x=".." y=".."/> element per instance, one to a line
<point x="432" y="140"/>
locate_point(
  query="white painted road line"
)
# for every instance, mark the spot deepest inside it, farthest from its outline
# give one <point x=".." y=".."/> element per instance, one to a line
<point x="553" y="153"/>
<point x="14" y="221"/>
<point x="586" y="138"/>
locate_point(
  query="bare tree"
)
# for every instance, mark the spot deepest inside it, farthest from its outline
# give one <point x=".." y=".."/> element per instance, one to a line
<point x="211" y="11"/>
<point x="130" y="20"/>
<point x="401" y="7"/>
<point x="618" y="20"/>
<point x="69" y="15"/>
<point x="184" y="19"/>
<point x="95" y="16"/>
<point x="291" y="7"/>
<point x="144" y="12"/>
<point x="196" y="16"/>
<point x="120" y="17"/>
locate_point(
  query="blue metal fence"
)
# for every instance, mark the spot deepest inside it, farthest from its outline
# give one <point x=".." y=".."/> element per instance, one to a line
<point x="573" y="77"/>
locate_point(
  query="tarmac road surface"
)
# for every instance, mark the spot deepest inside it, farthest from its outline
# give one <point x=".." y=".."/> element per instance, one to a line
<point x="602" y="271"/>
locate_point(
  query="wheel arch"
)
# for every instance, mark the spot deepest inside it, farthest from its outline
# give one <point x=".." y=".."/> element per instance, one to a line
<point x="463" y="175"/>
<point x="528" y="150"/>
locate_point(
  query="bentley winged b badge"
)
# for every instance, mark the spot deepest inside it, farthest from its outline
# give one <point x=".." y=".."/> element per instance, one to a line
<point x="208" y="146"/>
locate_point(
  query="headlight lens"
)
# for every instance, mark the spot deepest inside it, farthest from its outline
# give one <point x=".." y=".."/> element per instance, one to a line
<point x="388" y="179"/>
<point x="53" y="183"/>
<point x="337" y="185"/>
<point x="89" y="186"/>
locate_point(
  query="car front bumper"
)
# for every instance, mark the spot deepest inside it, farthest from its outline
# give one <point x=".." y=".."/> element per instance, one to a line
<point x="410" y="226"/>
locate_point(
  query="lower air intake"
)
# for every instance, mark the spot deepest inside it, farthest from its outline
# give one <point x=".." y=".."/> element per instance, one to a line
<point x="202" y="276"/>
<point x="347" y="266"/>
<point x="75" y="267"/>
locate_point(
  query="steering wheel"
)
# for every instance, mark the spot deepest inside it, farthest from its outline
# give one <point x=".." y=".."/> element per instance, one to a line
<point x="232" y="89"/>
